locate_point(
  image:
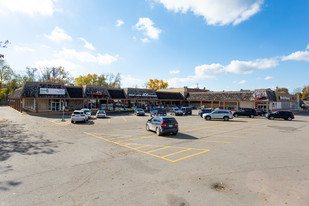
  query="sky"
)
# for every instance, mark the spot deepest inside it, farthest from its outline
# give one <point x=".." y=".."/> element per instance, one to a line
<point x="220" y="45"/>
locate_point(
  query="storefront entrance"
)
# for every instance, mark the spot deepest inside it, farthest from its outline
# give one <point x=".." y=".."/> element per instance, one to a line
<point x="56" y="105"/>
<point x="261" y="106"/>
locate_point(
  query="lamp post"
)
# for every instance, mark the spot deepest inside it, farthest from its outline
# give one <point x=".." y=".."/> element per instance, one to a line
<point x="63" y="120"/>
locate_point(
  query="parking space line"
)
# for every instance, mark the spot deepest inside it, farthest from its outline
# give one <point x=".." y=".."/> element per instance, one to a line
<point x="159" y="149"/>
<point x="109" y="121"/>
<point x="150" y="152"/>
<point x="177" y="152"/>
<point x="124" y="118"/>
<point x="143" y="146"/>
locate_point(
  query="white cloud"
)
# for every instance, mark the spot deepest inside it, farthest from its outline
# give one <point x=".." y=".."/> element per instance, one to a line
<point x="86" y="57"/>
<point x="106" y="59"/>
<point x="23" y="49"/>
<point x="208" y="71"/>
<point x="58" y="35"/>
<point x="119" y="23"/>
<point x="217" y="12"/>
<point x="146" y="25"/>
<point x="268" y="78"/>
<point x="242" y="82"/>
<point x="307" y="47"/>
<point x="297" y="56"/>
<point x="87" y="44"/>
<point x="30" y="7"/>
<point x="145" y="40"/>
<point x="234" y="82"/>
<point x="174" y="72"/>
<point x="247" y="67"/>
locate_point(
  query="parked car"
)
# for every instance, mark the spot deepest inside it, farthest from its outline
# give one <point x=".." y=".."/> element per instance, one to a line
<point x="139" y="112"/>
<point x="219" y="114"/>
<point x="287" y="115"/>
<point x="162" y="125"/>
<point x="246" y="112"/>
<point x="157" y="113"/>
<point x="78" y="116"/>
<point x="187" y="110"/>
<point x="261" y="112"/>
<point x="101" y="113"/>
<point x="87" y="112"/>
<point x="176" y="112"/>
<point x="203" y="111"/>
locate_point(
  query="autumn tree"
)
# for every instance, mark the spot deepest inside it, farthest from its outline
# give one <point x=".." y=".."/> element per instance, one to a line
<point x="305" y="93"/>
<point x="282" y="90"/>
<point x="105" y="80"/>
<point x="6" y="73"/>
<point x="156" y="84"/>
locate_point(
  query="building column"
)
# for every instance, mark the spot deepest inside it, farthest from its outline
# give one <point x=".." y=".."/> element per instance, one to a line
<point x="253" y="105"/>
<point x="237" y="107"/>
<point x="36" y="105"/>
<point x="224" y="105"/>
<point x="267" y="107"/>
<point x="212" y="104"/>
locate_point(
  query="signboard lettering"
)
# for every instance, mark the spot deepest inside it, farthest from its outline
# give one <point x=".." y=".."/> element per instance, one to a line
<point x="52" y="91"/>
<point x="258" y="95"/>
<point x="284" y="98"/>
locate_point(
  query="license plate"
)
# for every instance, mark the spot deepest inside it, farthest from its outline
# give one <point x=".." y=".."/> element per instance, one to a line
<point x="170" y="125"/>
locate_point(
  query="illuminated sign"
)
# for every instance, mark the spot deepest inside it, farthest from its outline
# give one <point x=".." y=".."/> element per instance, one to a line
<point x="52" y="91"/>
<point x="258" y="95"/>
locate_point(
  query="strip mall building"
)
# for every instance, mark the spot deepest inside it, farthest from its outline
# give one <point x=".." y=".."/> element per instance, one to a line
<point x="42" y="97"/>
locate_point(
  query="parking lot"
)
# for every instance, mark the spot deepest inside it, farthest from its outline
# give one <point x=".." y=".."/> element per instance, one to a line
<point x="115" y="161"/>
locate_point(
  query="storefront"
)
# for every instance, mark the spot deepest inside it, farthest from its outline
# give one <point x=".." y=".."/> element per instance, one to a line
<point x="42" y="97"/>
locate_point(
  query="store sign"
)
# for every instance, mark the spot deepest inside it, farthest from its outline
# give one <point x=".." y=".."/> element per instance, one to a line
<point x="52" y="91"/>
<point x="258" y="95"/>
<point x="284" y="98"/>
<point x="98" y="93"/>
<point x="143" y="95"/>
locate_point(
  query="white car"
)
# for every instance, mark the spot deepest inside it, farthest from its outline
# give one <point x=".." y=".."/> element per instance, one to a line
<point x="78" y="116"/>
<point x="87" y="112"/>
<point x="219" y="114"/>
<point x="101" y="113"/>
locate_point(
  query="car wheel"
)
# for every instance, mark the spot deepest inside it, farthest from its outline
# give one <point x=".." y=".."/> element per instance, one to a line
<point x="251" y="116"/>
<point x="159" y="133"/>
<point x="208" y="118"/>
<point x="235" y="115"/>
<point x="175" y="133"/>
<point x="271" y="118"/>
<point x="226" y="118"/>
<point x="72" y="121"/>
<point x="289" y="118"/>
<point x="147" y="127"/>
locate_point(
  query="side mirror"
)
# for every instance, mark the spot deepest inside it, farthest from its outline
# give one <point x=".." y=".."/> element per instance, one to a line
<point x="149" y="120"/>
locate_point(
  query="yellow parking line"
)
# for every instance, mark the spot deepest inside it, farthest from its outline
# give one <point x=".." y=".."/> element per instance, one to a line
<point x="142" y="146"/>
<point x="124" y="118"/>
<point x="177" y="152"/>
<point x="191" y="155"/>
<point x="159" y="149"/>
<point x="149" y="153"/>
<point x="109" y="121"/>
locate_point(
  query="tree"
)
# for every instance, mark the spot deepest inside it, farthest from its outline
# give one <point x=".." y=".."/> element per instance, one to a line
<point x="282" y="90"/>
<point x="106" y="80"/>
<point x="6" y="73"/>
<point x="30" y="75"/>
<point x="305" y="93"/>
<point x="55" y="75"/>
<point x="3" y="44"/>
<point x="156" y="84"/>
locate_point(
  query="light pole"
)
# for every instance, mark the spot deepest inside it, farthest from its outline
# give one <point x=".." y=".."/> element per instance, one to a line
<point x="63" y="120"/>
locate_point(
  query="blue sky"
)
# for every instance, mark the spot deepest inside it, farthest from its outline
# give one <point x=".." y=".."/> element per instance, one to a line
<point x="221" y="45"/>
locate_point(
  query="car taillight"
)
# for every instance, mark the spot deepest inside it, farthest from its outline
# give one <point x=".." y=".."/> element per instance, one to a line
<point x="163" y="124"/>
<point x="176" y="124"/>
<point x="72" y="115"/>
<point x="256" y="113"/>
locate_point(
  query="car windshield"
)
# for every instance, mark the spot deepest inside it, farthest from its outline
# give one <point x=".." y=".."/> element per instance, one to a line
<point x="139" y="110"/>
<point x="101" y="111"/>
<point x="169" y="120"/>
<point x="77" y="113"/>
<point x="86" y="110"/>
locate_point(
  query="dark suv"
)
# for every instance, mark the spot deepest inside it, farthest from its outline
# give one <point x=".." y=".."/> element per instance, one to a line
<point x="162" y="124"/>
<point x="287" y="115"/>
<point x="203" y="111"/>
<point x="157" y="113"/>
<point x="246" y="112"/>
<point x="187" y="110"/>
